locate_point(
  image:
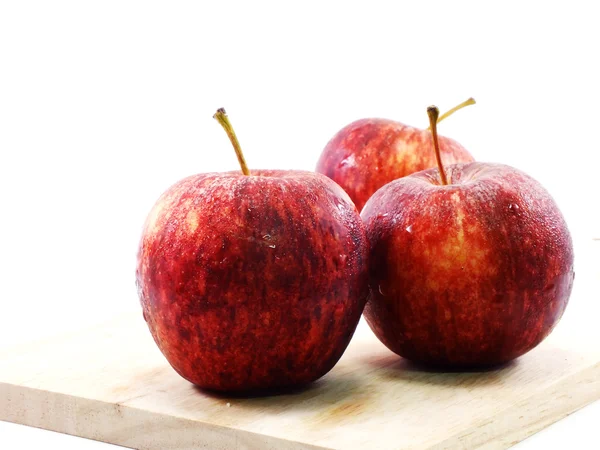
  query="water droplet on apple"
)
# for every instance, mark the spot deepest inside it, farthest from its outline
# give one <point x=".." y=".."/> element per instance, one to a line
<point x="272" y="246"/>
<point x="381" y="291"/>
<point x="267" y="236"/>
<point x="138" y="287"/>
<point x="350" y="161"/>
<point x="409" y="228"/>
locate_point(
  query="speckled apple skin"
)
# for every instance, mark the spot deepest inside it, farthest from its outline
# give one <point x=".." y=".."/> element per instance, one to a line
<point x="253" y="282"/>
<point x="369" y="153"/>
<point x="475" y="273"/>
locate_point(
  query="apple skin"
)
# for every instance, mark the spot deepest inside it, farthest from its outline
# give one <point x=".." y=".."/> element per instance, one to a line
<point x="475" y="273"/>
<point x="253" y="282"/>
<point x="369" y="153"/>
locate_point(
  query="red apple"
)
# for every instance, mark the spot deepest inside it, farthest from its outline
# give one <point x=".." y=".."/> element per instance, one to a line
<point x="252" y="281"/>
<point x="470" y="266"/>
<point x="369" y="153"/>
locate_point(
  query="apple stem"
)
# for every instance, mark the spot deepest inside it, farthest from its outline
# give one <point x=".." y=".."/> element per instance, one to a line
<point x="469" y="101"/>
<point x="433" y="112"/>
<point x="221" y="117"/>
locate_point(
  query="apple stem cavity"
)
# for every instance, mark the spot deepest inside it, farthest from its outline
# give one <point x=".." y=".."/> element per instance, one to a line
<point x="467" y="102"/>
<point x="221" y="117"/>
<point x="433" y="112"/>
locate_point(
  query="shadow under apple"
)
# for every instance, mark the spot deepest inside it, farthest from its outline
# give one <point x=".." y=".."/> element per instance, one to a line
<point x="332" y="389"/>
<point x="393" y="367"/>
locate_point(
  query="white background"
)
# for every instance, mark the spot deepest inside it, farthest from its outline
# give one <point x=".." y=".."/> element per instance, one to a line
<point x="103" y="105"/>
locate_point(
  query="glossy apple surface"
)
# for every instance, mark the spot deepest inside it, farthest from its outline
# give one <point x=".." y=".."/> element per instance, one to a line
<point x="369" y="153"/>
<point x="473" y="273"/>
<point x="253" y="282"/>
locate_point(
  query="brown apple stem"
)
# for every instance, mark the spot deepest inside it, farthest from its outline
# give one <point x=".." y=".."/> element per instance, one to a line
<point x="433" y="114"/>
<point x="469" y="101"/>
<point x="222" y="118"/>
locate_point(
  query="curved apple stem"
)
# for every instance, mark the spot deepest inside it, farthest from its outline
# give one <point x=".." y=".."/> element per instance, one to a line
<point x="221" y="117"/>
<point x="467" y="102"/>
<point x="433" y="114"/>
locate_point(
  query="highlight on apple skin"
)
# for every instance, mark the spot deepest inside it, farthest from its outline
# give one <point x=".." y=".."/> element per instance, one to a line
<point x="253" y="280"/>
<point x="475" y="272"/>
<point x="369" y="153"/>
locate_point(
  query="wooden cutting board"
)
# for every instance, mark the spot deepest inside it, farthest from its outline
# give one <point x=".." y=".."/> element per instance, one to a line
<point x="110" y="383"/>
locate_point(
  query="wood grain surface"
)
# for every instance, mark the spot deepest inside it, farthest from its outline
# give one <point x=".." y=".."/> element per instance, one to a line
<point x="110" y="383"/>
